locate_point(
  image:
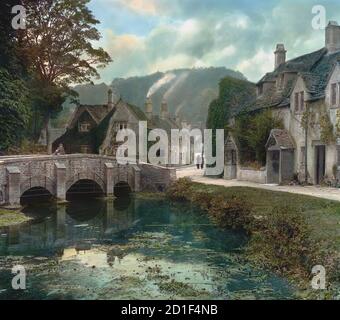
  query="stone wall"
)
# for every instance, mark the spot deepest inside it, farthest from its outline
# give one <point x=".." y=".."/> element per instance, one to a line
<point x="252" y="175"/>
<point x="156" y="178"/>
<point x="58" y="173"/>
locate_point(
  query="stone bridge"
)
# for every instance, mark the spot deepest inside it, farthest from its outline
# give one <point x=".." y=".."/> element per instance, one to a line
<point x="58" y="174"/>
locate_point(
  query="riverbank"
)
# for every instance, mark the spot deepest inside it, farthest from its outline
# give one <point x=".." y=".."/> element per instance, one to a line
<point x="289" y="233"/>
<point x="11" y="217"/>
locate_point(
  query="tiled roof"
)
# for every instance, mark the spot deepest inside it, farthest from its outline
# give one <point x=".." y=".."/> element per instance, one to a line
<point x="97" y="112"/>
<point x="315" y="69"/>
<point x="282" y="138"/>
<point x="158" y="123"/>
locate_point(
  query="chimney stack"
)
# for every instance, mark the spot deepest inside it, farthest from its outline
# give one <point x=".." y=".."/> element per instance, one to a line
<point x="110" y="99"/>
<point x="333" y="37"/>
<point x="280" y="55"/>
<point x="148" y="108"/>
<point x="164" y="110"/>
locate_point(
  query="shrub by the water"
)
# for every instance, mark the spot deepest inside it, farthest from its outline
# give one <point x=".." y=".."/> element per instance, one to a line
<point x="180" y="190"/>
<point x="282" y="241"/>
<point x="280" y="237"/>
<point x="230" y="213"/>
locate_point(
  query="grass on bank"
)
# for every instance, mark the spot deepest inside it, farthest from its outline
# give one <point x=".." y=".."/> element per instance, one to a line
<point x="11" y="217"/>
<point x="289" y="233"/>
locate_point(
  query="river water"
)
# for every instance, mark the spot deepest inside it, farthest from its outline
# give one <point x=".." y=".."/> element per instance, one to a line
<point x="132" y="248"/>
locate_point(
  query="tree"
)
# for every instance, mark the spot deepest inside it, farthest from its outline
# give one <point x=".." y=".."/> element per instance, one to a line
<point x="252" y="132"/>
<point x="57" y="43"/>
<point x="14" y="109"/>
<point x="14" y="95"/>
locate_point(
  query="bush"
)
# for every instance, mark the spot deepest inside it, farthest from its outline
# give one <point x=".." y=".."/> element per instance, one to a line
<point x="180" y="190"/>
<point x="282" y="241"/>
<point x="252" y="132"/>
<point x="230" y="213"/>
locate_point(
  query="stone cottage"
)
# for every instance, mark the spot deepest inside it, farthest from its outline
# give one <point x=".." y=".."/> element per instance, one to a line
<point x="299" y="91"/>
<point x="93" y="128"/>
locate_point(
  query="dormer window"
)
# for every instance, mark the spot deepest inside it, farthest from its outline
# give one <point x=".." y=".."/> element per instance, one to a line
<point x="121" y="126"/>
<point x="84" y="127"/>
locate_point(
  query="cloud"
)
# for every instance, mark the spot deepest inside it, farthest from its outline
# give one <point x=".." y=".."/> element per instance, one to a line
<point x="141" y="6"/>
<point x="161" y="35"/>
<point x="261" y="63"/>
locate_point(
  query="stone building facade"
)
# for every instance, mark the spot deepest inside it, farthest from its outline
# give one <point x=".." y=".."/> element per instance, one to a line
<point x="93" y="128"/>
<point x="302" y="90"/>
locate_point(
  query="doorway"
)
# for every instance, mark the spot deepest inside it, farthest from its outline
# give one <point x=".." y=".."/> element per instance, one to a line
<point x="274" y="167"/>
<point x="320" y="163"/>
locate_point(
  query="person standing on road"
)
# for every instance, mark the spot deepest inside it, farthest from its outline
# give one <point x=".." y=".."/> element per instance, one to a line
<point x="198" y="161"/>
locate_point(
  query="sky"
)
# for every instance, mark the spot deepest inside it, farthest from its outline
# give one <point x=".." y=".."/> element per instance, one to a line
<point x="146" y="36"/>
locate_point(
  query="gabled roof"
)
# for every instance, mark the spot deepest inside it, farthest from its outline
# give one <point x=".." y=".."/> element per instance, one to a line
<point x="303" y="63"/>
<point x="140" y="115"/>
<point x="282" y="139"/>
<point x="97" y="113"/>
<point x="314" y="68"/>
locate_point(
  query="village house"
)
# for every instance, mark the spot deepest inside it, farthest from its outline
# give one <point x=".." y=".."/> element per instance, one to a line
<point x="93" y="128"/>
<point x="299" y="91"/>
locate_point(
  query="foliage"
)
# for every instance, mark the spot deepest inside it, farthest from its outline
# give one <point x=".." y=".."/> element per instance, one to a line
<point x="27" y="147"/>
<point x="326" y="128"/>
<point x="58" y="48"/>
<point x="288" y="239"/>
<point x="14" y="109"/>
<point x="230" y="213"/>
<point x="58" y="41"/>
<point x="252" y="132"/>
<point x="283" y="242"/>
<point x="308" y="121"/>
<point x="189" y="94"/>
<point x="180" y="190"/>
<point x="232" y="94"/>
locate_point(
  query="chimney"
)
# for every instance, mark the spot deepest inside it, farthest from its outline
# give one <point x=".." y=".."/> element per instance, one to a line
<point x="333" y="37"/>
<point x="148" y="108"/>
<point x="164" y="110"/>
<point x="280" y="55"/>
<point x="110" y="99"/>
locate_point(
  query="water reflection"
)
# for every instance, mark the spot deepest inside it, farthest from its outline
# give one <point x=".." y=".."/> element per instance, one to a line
<point x="130" y="249"/>
<point x="77" y="224"/>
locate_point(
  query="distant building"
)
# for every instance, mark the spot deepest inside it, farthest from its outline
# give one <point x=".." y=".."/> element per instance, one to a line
<point x="93" y="128"/>
<point x="309" y="82"/>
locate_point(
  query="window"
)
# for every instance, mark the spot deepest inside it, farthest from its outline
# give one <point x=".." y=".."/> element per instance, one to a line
<point x="333" y="94"/>
<point x="296" y="102"/>
<point x="302" y="101"/>
<point x="85" y="149"/>
<point x="299" y="101"/>
<point x="84" y="127"/>
<point x="121" y="125"/>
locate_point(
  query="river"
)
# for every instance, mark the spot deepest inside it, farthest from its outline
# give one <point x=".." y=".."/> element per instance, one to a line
<point x="130" y="248"/>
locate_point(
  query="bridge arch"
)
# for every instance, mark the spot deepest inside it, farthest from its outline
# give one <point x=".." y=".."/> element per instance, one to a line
<point x="85" y="187"/>
<point x="35" y="194"/>
<point x="86" y="175"/>
<point x="122" y="189"/>
<point x="41" y="181"/>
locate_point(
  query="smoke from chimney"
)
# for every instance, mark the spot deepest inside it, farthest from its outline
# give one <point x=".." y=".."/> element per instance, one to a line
<point x="160" y="83"/>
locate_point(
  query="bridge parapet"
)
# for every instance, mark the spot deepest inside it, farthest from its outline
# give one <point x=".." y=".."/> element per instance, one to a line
<point x="57" y="174"/>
